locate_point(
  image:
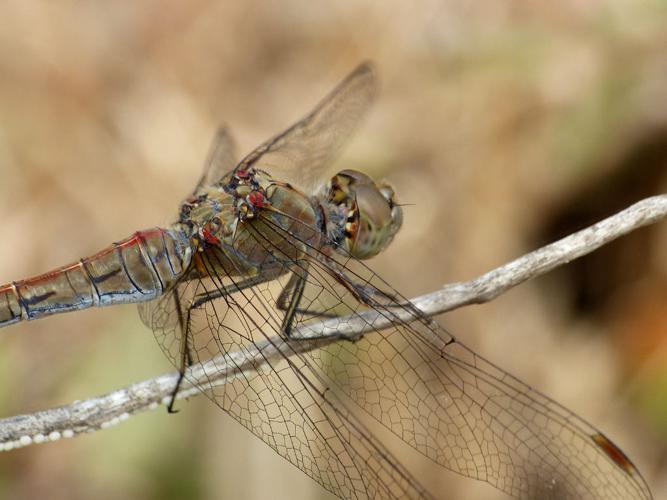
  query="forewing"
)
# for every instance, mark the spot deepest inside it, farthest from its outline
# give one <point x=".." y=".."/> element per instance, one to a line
<point x="221" y="159"/>
<point x="270" y="387"/>
<point x="443" y="399"/>
<point x="301" y="153"/>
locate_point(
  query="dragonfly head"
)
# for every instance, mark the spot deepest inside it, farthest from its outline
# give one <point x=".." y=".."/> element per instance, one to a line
<point x="368" y="216"/>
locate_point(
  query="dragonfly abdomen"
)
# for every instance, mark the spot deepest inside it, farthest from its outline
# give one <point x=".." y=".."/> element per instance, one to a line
<point x="136" y="269"/>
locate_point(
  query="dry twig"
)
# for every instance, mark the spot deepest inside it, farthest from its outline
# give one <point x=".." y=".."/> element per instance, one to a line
<point x="103" y="411"/>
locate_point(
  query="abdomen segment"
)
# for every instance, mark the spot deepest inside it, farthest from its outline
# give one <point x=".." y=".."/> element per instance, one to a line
<point x="137" y="269"/>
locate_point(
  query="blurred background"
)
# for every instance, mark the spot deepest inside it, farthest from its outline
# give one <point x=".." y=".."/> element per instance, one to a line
<point x="505" y="125"/>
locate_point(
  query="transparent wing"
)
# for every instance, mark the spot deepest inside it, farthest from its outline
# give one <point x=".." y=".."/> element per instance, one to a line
<point x="221" y="158"/>
<point x="407" y="372"/>
<point x="301" y="153"/>
<point x="271" y="388"/>
<point x="439" y="396"/>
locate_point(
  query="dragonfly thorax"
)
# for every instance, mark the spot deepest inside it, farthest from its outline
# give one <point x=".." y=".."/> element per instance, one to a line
<point x="215" y="211"/>
<point x="250" y="224"/>
<point x="362" y="216"/>
<point x="210" y="215"/>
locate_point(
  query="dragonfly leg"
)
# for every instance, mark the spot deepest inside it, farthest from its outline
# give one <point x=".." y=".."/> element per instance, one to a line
<point x="284" y="302"/>
<point x="364" y="293"/>
<point x="202" y="298"/>
<point x="184" y="349"/>
<point x="290" y="298"/>
<point x="186" y="361"/>
<point x="198" y="301"/>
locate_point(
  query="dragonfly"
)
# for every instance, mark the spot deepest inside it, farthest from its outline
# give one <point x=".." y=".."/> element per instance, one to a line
<point x="262" y="252"/>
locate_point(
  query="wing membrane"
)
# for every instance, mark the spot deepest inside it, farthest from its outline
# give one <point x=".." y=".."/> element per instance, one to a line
<point x="446" y="401"/>
<point x="300" y="153"/>
<point x="272" y="389"/>
<point x="221" y="158"/>
<point x="415" y="378"/>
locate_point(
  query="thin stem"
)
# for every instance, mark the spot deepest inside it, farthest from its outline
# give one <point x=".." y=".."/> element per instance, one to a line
<point x="103" y="411"/>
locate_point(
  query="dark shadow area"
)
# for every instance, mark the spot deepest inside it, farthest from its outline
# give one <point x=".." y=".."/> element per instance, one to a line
<point x="593" y="278"/>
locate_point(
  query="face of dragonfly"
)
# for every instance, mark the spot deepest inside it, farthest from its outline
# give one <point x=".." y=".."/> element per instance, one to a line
<point x="363" y="216"/>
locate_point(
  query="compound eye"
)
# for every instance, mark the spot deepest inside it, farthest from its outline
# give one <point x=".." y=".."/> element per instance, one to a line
<point x="355" y="177"/>
<point x="372" y="217"/>
<point x="337" y="189"/>
<point x="396" y="219"/>
<point x="388" y="193"/>
<point x="373" y="206"/>
<point x="342" y="187"/>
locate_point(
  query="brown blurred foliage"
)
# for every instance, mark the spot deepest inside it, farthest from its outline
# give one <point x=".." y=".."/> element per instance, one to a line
<point x="505" y="124"/>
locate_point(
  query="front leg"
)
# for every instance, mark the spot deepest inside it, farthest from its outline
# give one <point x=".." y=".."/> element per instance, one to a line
<point x="364" y="293"/>
<point x="290" y="300"/>
<point x="292" y="295"/>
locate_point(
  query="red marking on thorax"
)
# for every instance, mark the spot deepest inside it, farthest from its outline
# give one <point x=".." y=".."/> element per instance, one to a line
<point x="242" y="173"/>
<point x="257" y="199"/>
<point x="209" y="238"/>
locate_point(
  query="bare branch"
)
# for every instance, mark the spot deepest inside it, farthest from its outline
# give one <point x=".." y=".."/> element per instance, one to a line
<point x="107" y="410"/>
